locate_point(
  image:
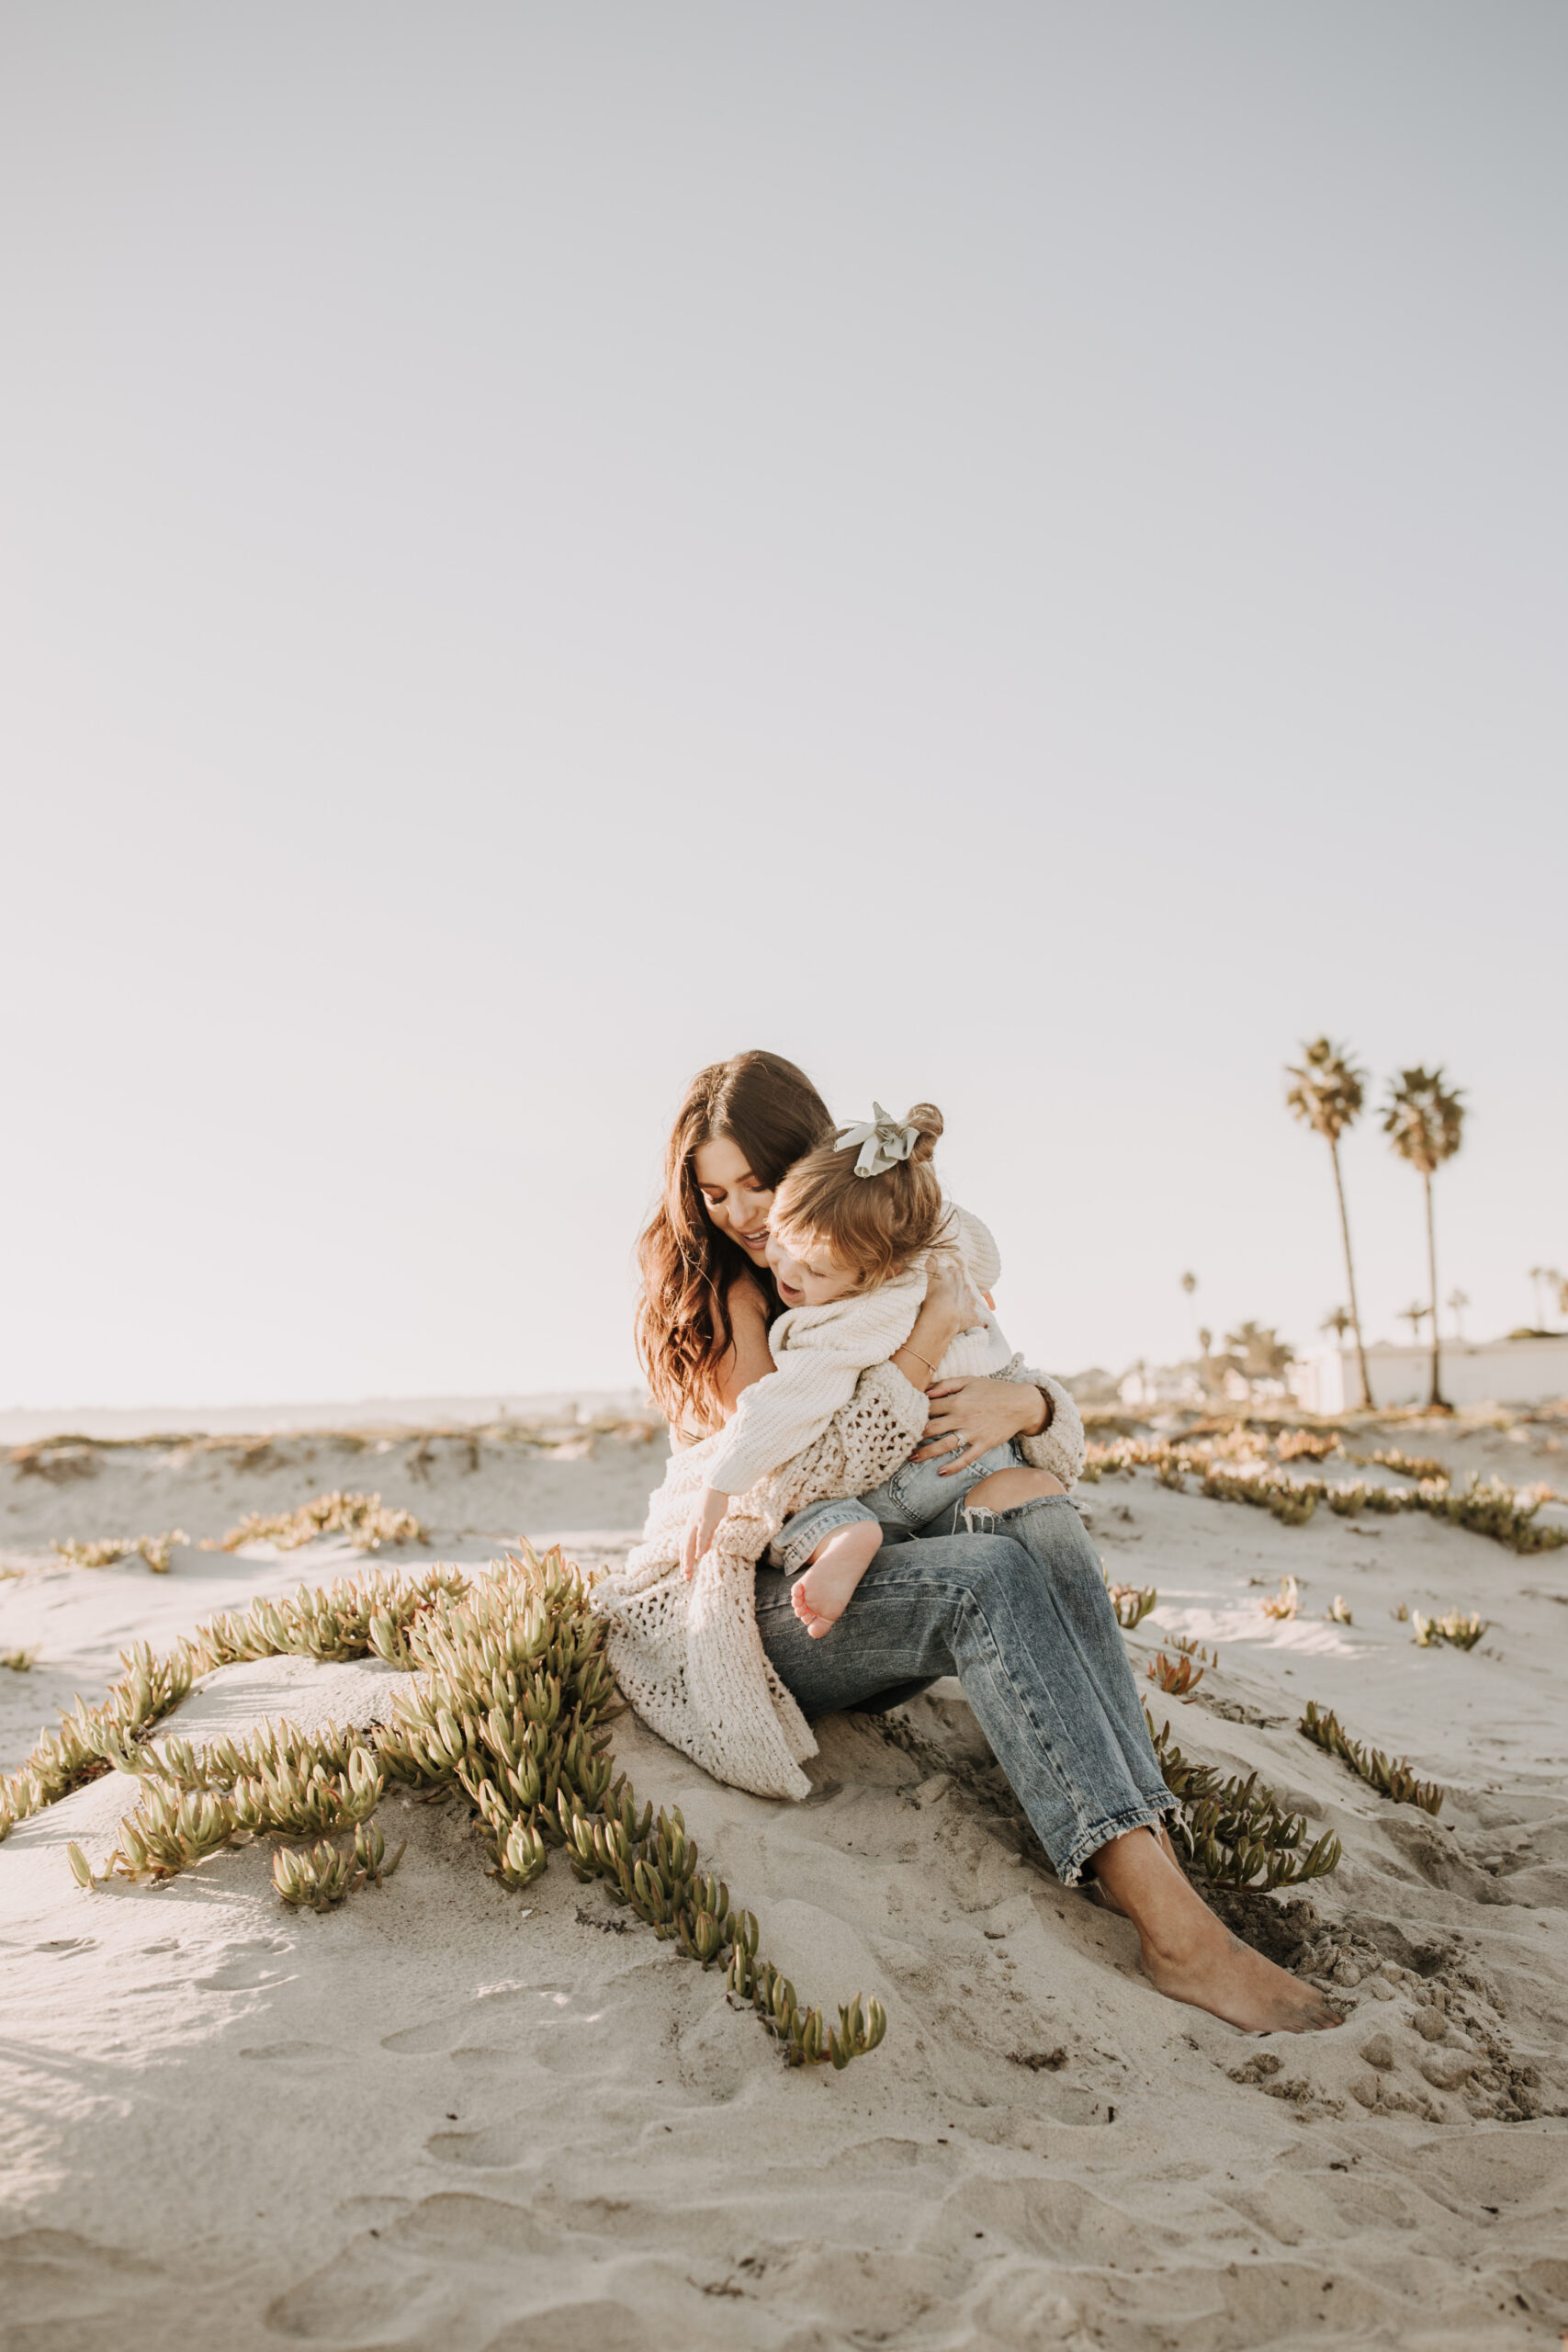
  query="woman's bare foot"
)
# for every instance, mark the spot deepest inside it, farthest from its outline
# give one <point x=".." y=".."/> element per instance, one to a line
<point x="821" y="1596"/>
<point x="1188" y="1955"/>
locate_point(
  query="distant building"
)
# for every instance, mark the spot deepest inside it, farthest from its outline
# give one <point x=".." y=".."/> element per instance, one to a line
<point x="1474" y="1372"/>
<point x="1160" y="1383"/>
<point x="1149" y="1386"/>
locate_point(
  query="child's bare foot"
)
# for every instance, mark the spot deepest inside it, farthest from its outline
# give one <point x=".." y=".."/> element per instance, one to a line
<point x="822" y="1594"/>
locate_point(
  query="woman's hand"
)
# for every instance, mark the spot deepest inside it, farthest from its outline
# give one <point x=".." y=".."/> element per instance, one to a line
<point x="982" y="1413"/>
<point x="702" y="1530"/>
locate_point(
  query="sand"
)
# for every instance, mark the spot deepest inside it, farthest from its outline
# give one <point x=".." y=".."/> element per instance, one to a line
<point x="450" y="2116"/>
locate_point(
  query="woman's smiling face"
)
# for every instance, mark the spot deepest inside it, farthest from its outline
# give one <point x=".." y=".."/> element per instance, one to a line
<point x="735" y="1198"/>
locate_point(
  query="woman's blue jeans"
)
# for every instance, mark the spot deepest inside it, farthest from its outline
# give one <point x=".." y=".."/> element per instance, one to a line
<point x="1023" y="1618"/>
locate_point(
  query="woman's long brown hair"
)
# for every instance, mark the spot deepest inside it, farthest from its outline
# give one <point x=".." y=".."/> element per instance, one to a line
<point x="773" y="1113"/>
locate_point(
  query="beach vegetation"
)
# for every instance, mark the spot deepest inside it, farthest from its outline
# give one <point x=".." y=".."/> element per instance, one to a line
<point x="324" y="1873"/>
<point x="364" y="1518"/>
<point x="1131" y="1603"/>
<point x="1392" y="1776"/>
<point x="1286" y="1602"/>
<point x="1460" y="1629"/>
<point x="1178" y="1675"/>
<point x="1235" y="1832"/>
<point x="1307" y="1445"/>
<point x="69" y="1757"/>
<point x="1235" y="1467"/>
<point x="155" y="1549"/>
<point x="508" y="1702"/>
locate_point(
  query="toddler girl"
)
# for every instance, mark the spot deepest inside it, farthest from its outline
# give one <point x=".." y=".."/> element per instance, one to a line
<point x="851" y="1231"/>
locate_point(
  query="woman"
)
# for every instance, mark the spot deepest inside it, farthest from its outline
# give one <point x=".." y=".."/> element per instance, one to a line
<point x="1018" y="1612"/>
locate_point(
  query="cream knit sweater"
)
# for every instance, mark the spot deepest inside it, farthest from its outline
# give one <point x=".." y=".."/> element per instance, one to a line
<point x="821" y="1353"/>
<point x="688" y="1657"/>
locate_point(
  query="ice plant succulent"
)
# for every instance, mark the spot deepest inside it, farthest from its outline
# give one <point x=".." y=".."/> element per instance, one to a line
<point x="1179" y="1676"/>
<point x="1390" y="1776"/>
<point x="1131" y="1603"/>
<point x="155" y="1549"/>
<point x="366" y="1518"/>
<point x="1235" y="1832"/>
<point x="1460" y="1627"/>
<point x="509" y="1707"/>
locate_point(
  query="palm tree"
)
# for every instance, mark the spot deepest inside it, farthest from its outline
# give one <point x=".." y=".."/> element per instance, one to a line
<point x="1458" y="1302"/>
<point x="1539" y="1275"/>
<point x="1337" y="1320"/>
<point x="1328" y="1095"/>
<point x="1423" y="1119"/>
<point x="1263" y="1354"/>
<point x="1414" y="1316"/>
<point x="1189" y="1284"/>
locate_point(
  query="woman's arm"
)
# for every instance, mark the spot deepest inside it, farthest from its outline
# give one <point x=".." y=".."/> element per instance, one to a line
<point x="748" y="1357"/>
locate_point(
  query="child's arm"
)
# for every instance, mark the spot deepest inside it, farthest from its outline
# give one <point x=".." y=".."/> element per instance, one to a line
<point x="778" y="1417"/>
<point x="711" y="1508"/>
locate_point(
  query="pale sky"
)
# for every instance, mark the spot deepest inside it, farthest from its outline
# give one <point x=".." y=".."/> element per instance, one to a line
<point x="1014" y="554"/>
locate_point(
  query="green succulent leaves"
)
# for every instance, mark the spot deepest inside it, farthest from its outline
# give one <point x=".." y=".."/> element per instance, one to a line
<point x="1235" y="1831"/>
<point x="1390" y="1776"/>
<point x="507" y="1695"/>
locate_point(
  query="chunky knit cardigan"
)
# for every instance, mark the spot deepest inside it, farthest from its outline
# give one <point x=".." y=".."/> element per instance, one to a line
<point x="688" y="1655"/>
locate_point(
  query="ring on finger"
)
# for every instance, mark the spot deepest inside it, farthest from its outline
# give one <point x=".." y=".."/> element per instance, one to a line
<point x="961" y="1442"/>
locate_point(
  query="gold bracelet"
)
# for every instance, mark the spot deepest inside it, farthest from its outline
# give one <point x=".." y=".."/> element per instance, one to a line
<point x="908" y="1351"/>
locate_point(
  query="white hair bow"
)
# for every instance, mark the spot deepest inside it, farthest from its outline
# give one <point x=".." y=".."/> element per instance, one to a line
<point x="883" y="1143"/>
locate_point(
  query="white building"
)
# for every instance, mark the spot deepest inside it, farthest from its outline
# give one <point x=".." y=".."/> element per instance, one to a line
<point x="1474" y="1372"/>
<point x="1150" y="1385"/>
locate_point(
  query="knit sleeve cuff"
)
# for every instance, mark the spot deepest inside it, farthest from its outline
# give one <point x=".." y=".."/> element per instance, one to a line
<point x="906" y="1402"/>
<point x="1059" y="1447"/>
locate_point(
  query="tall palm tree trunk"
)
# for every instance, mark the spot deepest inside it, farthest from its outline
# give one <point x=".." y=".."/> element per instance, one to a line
<point x="1435" y="1398"/>
<point x="1350" y="1277"/>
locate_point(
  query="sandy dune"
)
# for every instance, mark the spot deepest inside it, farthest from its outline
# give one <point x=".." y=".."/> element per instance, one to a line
<point x="447" y="2116"/>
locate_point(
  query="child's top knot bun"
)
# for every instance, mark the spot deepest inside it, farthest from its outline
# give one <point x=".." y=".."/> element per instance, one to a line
<point x="927" y="1118"/>
<point x="870" y="1193"/>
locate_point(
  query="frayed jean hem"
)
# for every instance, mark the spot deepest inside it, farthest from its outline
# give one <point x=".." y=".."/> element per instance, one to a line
<point x="1115" y="1824"/>
<point x="792" y="1548"/>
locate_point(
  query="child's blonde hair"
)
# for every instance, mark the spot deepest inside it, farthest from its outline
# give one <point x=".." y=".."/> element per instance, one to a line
<point x="875" y="1224"/>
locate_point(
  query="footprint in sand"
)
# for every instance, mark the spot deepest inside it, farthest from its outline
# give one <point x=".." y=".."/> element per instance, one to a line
<point x="311" y="2054"/>
<point x="242" y="1968"/>
<point x="501" y="2149"/>
<point x="576" y="2327"/>
<point x="551" y="2024"/>
<point x="50" y="2276"/>
<point x="445" y="2270"/>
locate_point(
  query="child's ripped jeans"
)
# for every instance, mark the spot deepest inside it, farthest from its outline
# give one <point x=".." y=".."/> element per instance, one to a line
<point x="916" y="1500"/>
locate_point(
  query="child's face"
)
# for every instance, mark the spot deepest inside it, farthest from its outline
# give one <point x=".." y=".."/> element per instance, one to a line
<point x="805" y="1270"/>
